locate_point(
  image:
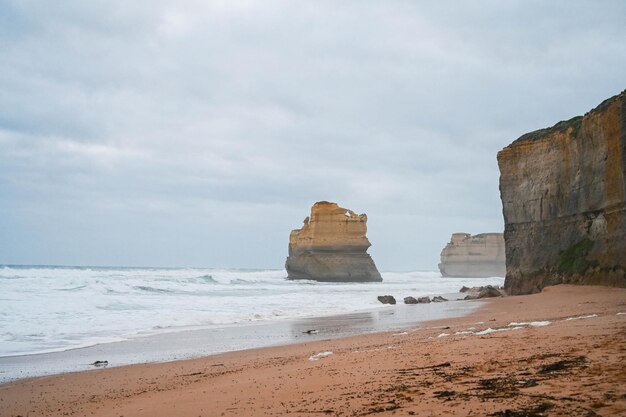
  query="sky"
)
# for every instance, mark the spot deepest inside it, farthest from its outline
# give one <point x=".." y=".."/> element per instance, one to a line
<point x="200" y="133"/>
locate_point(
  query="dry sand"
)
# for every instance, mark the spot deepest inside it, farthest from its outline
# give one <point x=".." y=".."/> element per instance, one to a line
<point x="567" y="367"/>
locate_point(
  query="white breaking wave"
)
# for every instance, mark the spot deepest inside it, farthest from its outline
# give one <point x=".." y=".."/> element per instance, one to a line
<point x="45" y="309"/>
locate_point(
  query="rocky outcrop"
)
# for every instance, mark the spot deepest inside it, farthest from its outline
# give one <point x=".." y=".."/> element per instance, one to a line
<point x="563" y="195"/>
<point x="476" y="256"/>
<point x="487" y="291"/>
<point x="387" y="299"/>
<point x="331" y="246"/>
<point x="410" y="300"/>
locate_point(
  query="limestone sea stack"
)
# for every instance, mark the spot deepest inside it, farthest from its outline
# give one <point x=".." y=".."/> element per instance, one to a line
<point x="331" y="246"/>
<point x="477" y="256"/>
<point x="563" y="197"/>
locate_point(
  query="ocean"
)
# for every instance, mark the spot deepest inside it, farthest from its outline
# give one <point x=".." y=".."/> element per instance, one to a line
<point x="50" y="309"/>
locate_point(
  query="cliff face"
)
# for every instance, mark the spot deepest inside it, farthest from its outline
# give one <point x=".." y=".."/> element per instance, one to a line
<point x="331" y="246"/>
<point x="476" y="256"/>
<point x="563" y="195"/>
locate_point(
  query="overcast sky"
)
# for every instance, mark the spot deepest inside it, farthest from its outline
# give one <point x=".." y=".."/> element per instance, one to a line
<point x="199" y="133"/>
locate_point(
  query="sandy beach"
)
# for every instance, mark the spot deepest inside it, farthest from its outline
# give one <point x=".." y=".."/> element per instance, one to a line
<point x="557" y="353"/>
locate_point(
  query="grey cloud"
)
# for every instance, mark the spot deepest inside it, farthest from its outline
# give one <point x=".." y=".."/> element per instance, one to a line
<point x="215" y="125"/>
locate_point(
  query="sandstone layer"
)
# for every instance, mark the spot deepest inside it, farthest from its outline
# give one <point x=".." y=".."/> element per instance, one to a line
<point x="476" y="256"/>
<point x="331" y="246"/>
<point x="563" y="195"/>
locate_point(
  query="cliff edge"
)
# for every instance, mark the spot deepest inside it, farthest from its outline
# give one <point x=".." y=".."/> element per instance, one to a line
<point x="331" y="246"/>
<point x="563" y="198"/>
<point x="477" y="256"/>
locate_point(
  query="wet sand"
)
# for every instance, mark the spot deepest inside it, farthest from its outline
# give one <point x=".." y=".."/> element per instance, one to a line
<point x="558" y="353"/>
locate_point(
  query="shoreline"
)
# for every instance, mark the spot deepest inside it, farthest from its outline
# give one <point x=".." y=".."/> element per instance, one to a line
<point x="429" y="370"/>
<point x="198" y="343"/>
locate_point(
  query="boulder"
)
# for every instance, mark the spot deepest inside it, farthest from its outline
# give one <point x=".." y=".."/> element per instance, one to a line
<point x="410" y="300"/>
<point x="563" y="192"/>
<point x="487" y="291"/>
<point x="387" y="299"/>
<point x="423" y="300"/>
<point x="439" y="299"/>
<point x="331" y="246"/>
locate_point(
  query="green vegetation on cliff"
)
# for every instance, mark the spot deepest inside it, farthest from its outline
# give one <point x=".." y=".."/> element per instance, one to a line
<point x="574" y="123"/>
<point x="573" y="260"/>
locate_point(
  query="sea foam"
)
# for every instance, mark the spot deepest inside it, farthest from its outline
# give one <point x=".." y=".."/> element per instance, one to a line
<point x="45" y="309"/>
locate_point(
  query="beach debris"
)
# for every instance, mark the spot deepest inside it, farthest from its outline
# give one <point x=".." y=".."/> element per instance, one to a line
<point x="375" y="349"/>
<point x="312" y="331"/>
<point x="563" y="364"/>
<point x="444" y="335"/>
<point x="423" y="300"/>
<point x="410" y="300"/>
<point x="439" y="327"/>
<point x="100" y="363"/>
<point x="387" y="299"/>
<point x="439" y="299"/>
<point x="381" y="409"/>
<point x="444" y="394"/>
<point x="401" y="334"/>
<point x="320" y="355"/>
<point x="537" y="411"/>
<point x="621" y="314"/>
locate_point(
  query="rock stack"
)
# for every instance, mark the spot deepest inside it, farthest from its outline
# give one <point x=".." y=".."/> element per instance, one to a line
<point x="477" y="256"/>
<point x="331" y="246"/>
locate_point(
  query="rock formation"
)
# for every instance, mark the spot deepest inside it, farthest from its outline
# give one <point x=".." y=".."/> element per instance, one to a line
<point x="386" y="299"/>
<point x="410" y="300"/>
<point x="563" y="195"/>
<point x="487" y="291"/>
<point x="476" y="256"/>
<point x="331" y="246"/>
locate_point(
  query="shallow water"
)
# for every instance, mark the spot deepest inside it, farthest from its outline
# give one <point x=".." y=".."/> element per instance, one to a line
<point x="45" y="309"/>
<point x="187" y="344"/>
<point x="48" y="309"/>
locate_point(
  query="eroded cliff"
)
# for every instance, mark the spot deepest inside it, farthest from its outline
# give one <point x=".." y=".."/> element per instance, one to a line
<point x="331" y="246"/>
<point x="476" y="256"/>
<point x="563" y="195"/>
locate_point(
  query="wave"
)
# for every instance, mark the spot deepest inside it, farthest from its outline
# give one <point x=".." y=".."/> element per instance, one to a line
<point x="239" y="281"/>
<point x="83" y="305"/>
<point x="146" y="288"/>
<point x="120" y="306"/>
<point x="208" y="279"/>
<point x="80" y="287"/>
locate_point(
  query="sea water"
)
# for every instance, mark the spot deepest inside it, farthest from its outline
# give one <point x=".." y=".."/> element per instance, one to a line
<point x="48" y="309"/>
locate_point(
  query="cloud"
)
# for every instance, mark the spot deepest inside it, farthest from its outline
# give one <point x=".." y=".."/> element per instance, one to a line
<point x="126" y="126"/>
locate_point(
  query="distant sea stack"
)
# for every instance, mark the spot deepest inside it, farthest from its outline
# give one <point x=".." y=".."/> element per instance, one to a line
<point x="331" y="246"/>
<point x="477" y="256"/>
<point x="563" y="190"/>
